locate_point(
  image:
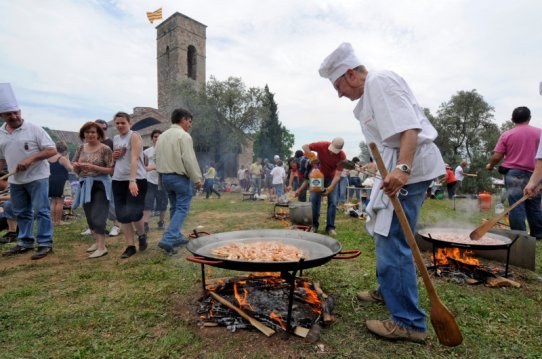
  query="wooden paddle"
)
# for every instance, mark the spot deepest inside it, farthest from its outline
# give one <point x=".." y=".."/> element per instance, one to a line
<point x="443" y="321"/>
<point x="7" y="175"/>
<point x="486" y="226"/>
<point x="254" y="322"/>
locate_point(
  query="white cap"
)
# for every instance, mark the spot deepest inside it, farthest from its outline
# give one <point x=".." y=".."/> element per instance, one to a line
<point x="336" y="145"/>
<point x="8" y="103"/>
<point x="338" y="62"/>
<point x="276" y="157"/>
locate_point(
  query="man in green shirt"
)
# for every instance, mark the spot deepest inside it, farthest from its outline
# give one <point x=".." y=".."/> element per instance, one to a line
<point x="179" y="171"/>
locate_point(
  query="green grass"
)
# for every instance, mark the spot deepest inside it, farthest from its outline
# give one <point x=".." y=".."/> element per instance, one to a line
<point x="67" y="306"/>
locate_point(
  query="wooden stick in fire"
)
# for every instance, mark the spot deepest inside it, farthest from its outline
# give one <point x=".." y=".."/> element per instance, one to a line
<point x="254" y="322"/>
<point x="481" y="230"/>
<point x="443" y="321"/>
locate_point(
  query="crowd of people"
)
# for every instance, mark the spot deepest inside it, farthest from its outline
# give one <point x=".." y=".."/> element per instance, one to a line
<point x="119" y="176"/>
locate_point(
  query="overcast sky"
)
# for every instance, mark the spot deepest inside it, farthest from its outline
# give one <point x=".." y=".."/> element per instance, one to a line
<point x="74" y="61"/>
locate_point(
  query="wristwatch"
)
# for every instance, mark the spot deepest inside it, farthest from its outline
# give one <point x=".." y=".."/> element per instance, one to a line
<point x="403" y="168"/>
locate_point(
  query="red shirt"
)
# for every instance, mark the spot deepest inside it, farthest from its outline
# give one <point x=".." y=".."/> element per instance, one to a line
<point x="328" y="160"/>
<point x="451" y="175"/>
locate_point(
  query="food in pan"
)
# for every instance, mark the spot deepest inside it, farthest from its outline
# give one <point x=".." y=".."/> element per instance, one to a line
<point x="263" y="251"/>
<point x="463" y="238"/>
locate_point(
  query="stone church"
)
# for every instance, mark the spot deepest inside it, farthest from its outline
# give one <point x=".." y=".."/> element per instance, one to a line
<point x="180" y="44"/>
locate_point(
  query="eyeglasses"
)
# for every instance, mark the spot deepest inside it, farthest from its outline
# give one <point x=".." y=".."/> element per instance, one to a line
<point x="336" y="83"/>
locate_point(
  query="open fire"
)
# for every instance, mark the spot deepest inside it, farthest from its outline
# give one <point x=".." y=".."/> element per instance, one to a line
<point x="263" y="298"/>
<point x="463" y="267"/>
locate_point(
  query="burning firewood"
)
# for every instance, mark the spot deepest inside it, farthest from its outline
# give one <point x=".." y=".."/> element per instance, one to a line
<point x="328" y="303"/>
<point x="255" y="323"/>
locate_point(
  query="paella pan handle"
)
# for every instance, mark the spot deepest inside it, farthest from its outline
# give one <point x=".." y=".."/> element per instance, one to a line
<point x="354" y="253"/>
<point x="196" y="234"/>
<point x="202" y="260"/>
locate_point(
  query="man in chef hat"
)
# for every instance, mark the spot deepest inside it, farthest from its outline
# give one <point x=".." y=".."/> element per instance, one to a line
<point x="24" y="148"/>
<point x="391" y="118"/>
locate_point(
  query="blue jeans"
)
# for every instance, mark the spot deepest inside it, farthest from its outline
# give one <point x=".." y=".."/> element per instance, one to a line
<point x="278" y="190"/>
<point x="343" y="183"/>
<point x="29" y="199"/>
<point x="208" y="187"/>
<point x="179" y="191"/>
<point x="316" y="201"/>
<point x="514" y="181"/>
<point x="395" y="268"/>
<point x="257" y="184"/>
<point x="355" y="181"/>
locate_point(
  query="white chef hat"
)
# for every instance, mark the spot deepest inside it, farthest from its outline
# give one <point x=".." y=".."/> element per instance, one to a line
<point x="276" y="157"/>
<point x="8" y="103"/>
<point x="338" y="62"/>
<point x="336" y="145"/>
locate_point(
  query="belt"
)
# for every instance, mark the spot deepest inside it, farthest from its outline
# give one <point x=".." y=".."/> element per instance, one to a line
<point x="172" y="174"/>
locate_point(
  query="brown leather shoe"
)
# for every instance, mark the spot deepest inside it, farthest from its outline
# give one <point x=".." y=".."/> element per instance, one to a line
<point x="390" y="330"/>
<point x="370" y="296"/>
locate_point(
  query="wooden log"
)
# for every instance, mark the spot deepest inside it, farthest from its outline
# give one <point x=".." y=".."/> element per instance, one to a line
<point x="499" y="282"/>
<point x="254" y="322"/>
<point x="327" y="315"/>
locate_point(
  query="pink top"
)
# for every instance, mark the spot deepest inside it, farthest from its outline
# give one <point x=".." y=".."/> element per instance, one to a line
<point x="519" y="146"/>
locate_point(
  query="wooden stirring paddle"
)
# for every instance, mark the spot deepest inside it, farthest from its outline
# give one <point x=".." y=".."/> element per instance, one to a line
<point x="481" y="230"/>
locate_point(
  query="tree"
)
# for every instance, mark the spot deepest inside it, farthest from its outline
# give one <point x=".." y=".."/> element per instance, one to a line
<point x="467" y="133"/>
<point x="272" y="138"/>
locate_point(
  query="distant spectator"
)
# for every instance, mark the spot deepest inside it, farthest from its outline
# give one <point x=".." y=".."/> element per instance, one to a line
<point x="156" y="198"/>
<point x="59" y="166"/>
<point x="278" y="175"/>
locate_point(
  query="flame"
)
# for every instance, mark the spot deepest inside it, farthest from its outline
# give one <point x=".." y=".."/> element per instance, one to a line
<point x="465" y="256"/>
<point x="277" y="318"/>
<point x="242" y="300"/>
<point x="312" y="298"/>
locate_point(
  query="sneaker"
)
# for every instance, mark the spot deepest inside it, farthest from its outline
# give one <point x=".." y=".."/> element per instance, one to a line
<point x="42" y="252"/>
<point x="314" y="229"/>
<point x="161" y="224"/>
<point x="92" y="248"/>
<point x="332" y="232"/>
<point x="128" y="252"/>
<point x="115" y="231"/>
<point x="142" y="242"/>
<point x="98" y="253"/>
<point x="16" y="250"/>
<point x="390" y="330"/>
<point x="86" y="232"/>
<point x="179" y="243"/>
<point x="8" y="237"/>
<point x="146" y="227"/>
<point x="370" y="296"/>
<point x="168" y="248"/>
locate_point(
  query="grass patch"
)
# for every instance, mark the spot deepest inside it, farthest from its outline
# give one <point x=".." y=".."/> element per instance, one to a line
<point x="67" y="306"/>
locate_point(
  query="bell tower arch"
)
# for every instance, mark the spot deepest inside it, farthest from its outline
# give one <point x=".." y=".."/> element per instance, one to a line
<point x="180" y="55"/>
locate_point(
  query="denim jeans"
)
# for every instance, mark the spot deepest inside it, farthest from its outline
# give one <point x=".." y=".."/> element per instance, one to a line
<point x="343" y="183"/>
<point x="395" y="268"/>
<point x="316" y="201"/>
<point x="257" y="185"/>
<point x="356" y="182"/>
<point x="179" y="191"/>
<point x="29" y="199"/>
<point x="514" y="181"/>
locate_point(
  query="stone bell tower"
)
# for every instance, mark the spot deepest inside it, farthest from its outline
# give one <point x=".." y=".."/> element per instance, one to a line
<point x="180" y="55"/>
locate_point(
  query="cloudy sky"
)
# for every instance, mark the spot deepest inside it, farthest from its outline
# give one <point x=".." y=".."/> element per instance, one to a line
<point x="73" y="61"/>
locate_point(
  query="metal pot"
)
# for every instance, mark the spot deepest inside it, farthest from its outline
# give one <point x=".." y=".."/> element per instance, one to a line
<point x="301" y="213"/>
<point x="318" y="249"/>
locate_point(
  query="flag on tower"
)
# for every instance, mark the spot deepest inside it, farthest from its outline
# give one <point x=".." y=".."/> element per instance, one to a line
<point x="155" y="15"/>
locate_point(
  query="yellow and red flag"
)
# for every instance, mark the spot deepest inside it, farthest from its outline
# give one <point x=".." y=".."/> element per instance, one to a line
<point x="155" y="15"/>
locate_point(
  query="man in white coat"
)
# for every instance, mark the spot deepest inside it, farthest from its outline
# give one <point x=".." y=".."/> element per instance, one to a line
<point x="391" y="118"/>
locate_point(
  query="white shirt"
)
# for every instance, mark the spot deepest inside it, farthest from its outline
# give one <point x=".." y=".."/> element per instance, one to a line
<point x="279" y="174"/>
<point x="23" y="142"/>
<point x="152" y="176"/>
<point x="459" y="173"/>
<point x="386" y="109"/>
